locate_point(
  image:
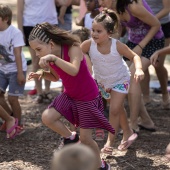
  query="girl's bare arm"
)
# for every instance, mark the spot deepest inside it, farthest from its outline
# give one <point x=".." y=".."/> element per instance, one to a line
<point x="140" y="12"/>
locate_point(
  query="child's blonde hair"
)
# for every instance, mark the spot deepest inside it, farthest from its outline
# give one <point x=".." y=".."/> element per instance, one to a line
<point x="6" y="13"/>
<point x="74" y="157"/>
<point x="82" y="33"/>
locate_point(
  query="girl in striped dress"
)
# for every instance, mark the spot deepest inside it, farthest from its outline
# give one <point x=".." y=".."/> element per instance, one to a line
<point x="80" y="103"/>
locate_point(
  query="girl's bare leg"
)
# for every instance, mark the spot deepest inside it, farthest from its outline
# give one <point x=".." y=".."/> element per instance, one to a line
<point x="86" y="138"/>
<point x="118" y="117"/>
<point x="51" y="118"/>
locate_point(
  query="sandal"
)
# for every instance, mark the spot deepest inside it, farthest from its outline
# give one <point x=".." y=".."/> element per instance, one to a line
<point x="48" y="97"/>
<point x="124" y="145"/>
<point x="39" y="98"/>
<point x="107" y="150"/>
<point x="13" y="128"/>
<point x="99" y="135"/>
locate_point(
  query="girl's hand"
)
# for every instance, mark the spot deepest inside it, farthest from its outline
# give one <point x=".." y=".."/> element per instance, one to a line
<point x="44" y="61"/>
<point x="37" y="74"/>
<point x="154" y="59"/>
<point x="139" y="75"/>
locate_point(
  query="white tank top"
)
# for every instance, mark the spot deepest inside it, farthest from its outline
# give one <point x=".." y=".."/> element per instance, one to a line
<point x="38" y="11"/>
<point x="109" y="69"/>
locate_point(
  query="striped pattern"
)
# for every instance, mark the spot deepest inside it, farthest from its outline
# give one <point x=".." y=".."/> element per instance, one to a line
<point x="85" y="114"/>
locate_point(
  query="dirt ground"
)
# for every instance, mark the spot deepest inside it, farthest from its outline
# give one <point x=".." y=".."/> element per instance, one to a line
<point x="33" y="150"/>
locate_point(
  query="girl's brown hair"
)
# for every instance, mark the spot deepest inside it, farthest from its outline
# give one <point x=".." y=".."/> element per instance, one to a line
<point x="46" y="32"/>
<point x="109" y="19"/>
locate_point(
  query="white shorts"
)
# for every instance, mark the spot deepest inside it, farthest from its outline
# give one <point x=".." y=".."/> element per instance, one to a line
<point x="122" y="88"/>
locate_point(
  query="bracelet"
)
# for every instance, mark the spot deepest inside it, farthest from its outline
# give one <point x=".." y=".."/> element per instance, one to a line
<point x="55" y="60"/>
<point x="140" y="46"/>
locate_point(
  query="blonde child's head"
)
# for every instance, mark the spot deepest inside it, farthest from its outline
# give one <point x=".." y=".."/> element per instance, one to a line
<point x="74" y="157"/>
<point x="6" y="13"/>
<point x="109" y="19"/>
<point x="82" y="33"/>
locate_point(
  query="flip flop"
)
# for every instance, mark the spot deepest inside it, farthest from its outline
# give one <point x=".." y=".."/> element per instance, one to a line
<point x="124" y="145"/>
<point x="14" y="127"/>
<point x="145" y="128"/>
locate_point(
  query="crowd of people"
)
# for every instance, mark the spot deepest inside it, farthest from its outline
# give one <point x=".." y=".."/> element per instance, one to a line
<point x="97" y="69"/>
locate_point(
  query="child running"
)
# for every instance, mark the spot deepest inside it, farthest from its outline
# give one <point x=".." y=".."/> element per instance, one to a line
<point x="80" y="103"/>
<point x="112" y="73"/>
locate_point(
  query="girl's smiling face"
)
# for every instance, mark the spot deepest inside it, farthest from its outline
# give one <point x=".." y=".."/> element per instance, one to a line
<point x="99" y="33"/>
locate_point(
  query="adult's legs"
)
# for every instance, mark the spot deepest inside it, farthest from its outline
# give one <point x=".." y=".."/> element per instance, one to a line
<point x="135" y="97"/>
<point x="162" y="75"/>
<point x="145" y="87"/>
<point x="47" y="86"/>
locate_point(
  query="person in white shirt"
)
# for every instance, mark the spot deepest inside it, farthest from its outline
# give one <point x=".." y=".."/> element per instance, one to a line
<point x="13" y="65"/>
<point x="30" y="13"/>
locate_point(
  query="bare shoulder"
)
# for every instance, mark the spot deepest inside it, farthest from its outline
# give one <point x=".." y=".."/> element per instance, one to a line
<point x="75" y="51"/>
<point x="85" y="46"/>
<point x="121" y="47"/>
<point x="136" y="7"/>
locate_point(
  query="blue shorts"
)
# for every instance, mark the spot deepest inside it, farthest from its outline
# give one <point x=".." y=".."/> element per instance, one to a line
<point x="10" y="80"/>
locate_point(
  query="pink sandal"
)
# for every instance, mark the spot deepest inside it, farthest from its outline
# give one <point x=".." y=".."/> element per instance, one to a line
<point x="99" y="135"/>
<point x="124" y="145"/>
<point x="14" y="127"/>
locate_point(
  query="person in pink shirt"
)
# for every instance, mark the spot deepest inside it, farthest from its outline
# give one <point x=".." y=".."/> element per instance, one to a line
<point x="80" y="103"/>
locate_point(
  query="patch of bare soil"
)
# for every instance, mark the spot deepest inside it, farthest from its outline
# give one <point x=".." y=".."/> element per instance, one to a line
<point x="33" y="150"/>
